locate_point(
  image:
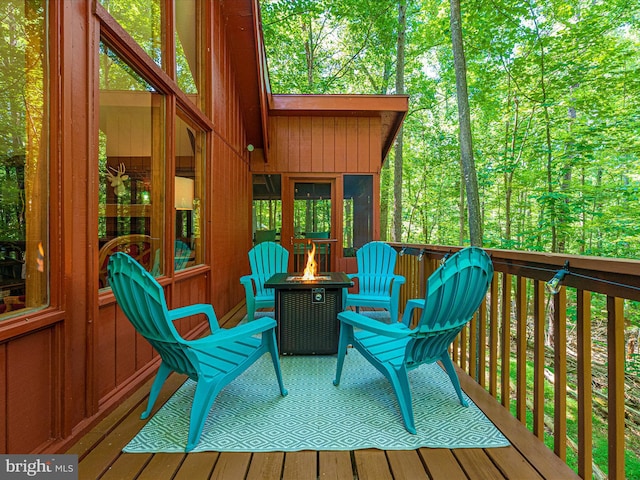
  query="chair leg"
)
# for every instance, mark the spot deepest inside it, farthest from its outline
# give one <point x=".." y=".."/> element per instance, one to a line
<point x="400" y="383"/>
<point x="205" y="395"/>
<point x="161" y="376"/>
<point x="453" y="376"/>
<point x="251" y="313"/>
<point x="273" y="350"/>
<point x="346" y="336"/>
<point x="393" y="313"/>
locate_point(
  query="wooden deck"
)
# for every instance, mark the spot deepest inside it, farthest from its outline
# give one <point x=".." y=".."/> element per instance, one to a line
<point x="100" y="452"/>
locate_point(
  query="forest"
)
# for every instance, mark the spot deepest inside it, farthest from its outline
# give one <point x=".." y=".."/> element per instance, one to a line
<point x="553" y="99"/>
<point x="554" y="105"/>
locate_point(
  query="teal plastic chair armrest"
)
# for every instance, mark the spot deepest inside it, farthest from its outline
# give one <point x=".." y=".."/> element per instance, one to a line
<point x="197" y="309"/>
<point x="357" y="320"/>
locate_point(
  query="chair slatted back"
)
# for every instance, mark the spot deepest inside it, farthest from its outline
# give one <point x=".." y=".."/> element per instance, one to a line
<point x="376" y="266"/>
<point x="454" y="293"/>
<point x="142" y="300"/>
<point x="267" y="259"/>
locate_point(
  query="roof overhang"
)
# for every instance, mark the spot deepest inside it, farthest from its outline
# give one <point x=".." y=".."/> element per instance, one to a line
<point x="392" y="109"/>
<point x="248" y="57"/>
<point x="244" y="30"/>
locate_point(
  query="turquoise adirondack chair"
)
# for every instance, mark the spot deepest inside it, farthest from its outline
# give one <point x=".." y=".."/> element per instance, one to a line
<point x="378" y="285"/>
<point x="454" y="293"/>
<point x="265" y="259"/>
<point x="212" y="361"/>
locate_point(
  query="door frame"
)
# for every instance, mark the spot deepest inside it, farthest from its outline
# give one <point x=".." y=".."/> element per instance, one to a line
<point x="288" y="194"/>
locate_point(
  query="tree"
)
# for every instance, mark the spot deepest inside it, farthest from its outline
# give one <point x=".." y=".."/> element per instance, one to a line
<point x="397" y="165"/>
<point x="464" y="120"/>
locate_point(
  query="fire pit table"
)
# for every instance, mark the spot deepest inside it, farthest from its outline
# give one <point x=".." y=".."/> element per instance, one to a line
<point x="307" y="311"/>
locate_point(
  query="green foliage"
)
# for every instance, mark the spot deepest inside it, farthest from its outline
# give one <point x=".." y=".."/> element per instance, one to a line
<point x="554" y="90"/>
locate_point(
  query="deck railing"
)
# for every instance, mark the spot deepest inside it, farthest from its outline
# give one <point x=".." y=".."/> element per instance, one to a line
<point x="560" y="377"/>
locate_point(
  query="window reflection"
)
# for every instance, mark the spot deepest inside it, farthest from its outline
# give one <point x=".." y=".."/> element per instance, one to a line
<point x="188" y="46"/>
<point x="189" y="188"/>
<point x="142" y="19"/>
<point x="24" y="167"/>
<point x="131" y="165"/>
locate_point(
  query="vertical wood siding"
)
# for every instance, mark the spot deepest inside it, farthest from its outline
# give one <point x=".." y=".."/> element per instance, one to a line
<point x="323" y="145"/>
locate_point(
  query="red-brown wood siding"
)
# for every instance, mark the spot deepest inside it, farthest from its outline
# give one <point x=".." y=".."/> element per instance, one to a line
<point x="30" y="389"/>
<point x="230" y="195"/>
<point x="65" y="366"/>
<point x="322" y="145"/>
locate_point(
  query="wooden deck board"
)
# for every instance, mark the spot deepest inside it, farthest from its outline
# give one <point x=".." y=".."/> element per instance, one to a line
<point x="371" y="464"/>
<point x="441" y="464"/>
<point x="162" y="465"/>
<point x="300" y="465"/>
<point x="230" y="465"/>
<point x="266" y="466"/>
<point x="100" y="451"/>
<point x="335" y="465"/>
<point x="196" y="465"/>
<point x="512" y="464"/>
<point x="477" y="465"/>
<point x="406" y="464"/>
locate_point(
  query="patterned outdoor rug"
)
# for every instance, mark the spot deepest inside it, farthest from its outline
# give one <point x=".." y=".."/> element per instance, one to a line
<point x="362" y="412"/>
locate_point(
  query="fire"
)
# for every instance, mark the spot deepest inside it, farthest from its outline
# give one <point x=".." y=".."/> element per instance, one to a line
<point x="312" y="267"/>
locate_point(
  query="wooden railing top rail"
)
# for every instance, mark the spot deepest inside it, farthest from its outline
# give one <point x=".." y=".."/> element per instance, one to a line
<point x="609" y="276"/>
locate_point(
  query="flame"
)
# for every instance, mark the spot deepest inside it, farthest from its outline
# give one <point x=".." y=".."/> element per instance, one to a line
<point x="312" y="267"/>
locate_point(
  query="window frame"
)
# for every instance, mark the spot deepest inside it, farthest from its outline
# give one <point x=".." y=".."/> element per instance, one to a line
<point x="117" y="38"/>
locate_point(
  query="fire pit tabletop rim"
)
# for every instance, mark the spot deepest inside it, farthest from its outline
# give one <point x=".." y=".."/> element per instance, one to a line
<point x="335" y="279"/>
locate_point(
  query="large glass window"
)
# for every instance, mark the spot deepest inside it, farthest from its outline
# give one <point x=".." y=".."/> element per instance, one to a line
<point x="188" y="43"/>
<point x="267" y="208"/>
<point x="131" y="164"/>
<point x="24" y="167"/>
<point x="358" y="213"/>
<point x="189" y="190"/>
<point x="142" y="19"/>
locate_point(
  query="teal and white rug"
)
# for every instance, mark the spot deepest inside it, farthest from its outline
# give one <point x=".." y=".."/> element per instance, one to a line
<point x="250" y="415"/>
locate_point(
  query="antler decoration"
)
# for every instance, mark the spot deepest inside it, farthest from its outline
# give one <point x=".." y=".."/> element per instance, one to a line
<point x="117" y="180"/>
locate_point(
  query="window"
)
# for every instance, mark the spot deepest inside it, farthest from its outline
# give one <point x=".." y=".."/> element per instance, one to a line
<point x="189" y="15"/>
<point x="267" y="208"/>
<point x="189" y="189"/>
<point x="358" y="212"/>
<point x="131" y="164"/>
<point x="142" y="19"/>
<point x="24" y="167"/>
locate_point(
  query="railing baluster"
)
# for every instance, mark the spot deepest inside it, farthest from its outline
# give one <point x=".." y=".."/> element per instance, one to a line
<point x="464" y="342"/>
<point x="585" y="405"/>
<point x="615" y="358"/>
<point x="538" y="359"/>
<point x="505" y="342"/>
<point x="482" y="344"/>
<point x="521" y="349"/>
<point x="473" y="347"/>
<point x="493" y="339"/>
<point x="560" y="374"/>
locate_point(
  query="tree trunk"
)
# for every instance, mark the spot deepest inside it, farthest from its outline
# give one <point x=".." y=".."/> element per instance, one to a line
<point x="397" y="170"/>
<point x="464" y="119"/>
